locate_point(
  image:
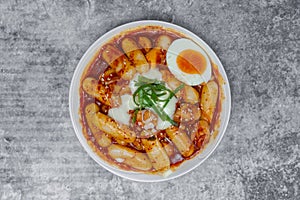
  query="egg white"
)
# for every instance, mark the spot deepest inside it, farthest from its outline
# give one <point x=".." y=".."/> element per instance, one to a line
<point x="174" y="50"/>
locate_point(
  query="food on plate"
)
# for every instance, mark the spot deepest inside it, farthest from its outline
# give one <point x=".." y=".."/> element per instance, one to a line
<point x="150" y="100"/>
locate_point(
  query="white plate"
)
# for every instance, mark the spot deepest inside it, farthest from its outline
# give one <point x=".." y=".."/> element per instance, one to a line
<point x="74" y="104"/>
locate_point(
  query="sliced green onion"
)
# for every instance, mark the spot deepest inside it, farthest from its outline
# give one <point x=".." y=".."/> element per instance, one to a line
<point x="178" y="88"/>
<point x="173" y="94"/>
<point x="149" y="93"/>
<point x="134" y="115"/>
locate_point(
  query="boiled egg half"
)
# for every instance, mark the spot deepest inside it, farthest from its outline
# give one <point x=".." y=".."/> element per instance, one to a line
<point x="188" y="62"/>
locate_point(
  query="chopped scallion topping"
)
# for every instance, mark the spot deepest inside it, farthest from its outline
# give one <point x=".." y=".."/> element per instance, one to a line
<point x="148" y="95"/>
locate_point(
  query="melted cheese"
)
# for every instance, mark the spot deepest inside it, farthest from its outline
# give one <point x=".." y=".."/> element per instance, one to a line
<point x="120" y="114"/>
<point x="152" y="74"/>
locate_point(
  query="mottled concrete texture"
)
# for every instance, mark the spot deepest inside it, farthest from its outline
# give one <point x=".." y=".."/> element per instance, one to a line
<point x="41" y="43"/>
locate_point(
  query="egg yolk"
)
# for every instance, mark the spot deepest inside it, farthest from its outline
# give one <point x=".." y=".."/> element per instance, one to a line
<point x="191" y="62"/>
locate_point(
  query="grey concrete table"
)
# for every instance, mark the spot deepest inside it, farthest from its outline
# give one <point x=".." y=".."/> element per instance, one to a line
<point x="41" y="43"/>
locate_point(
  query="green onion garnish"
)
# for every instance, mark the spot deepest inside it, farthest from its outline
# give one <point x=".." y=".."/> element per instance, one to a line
<point x="134" y="115"/>
<point x="150" y="93"/>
